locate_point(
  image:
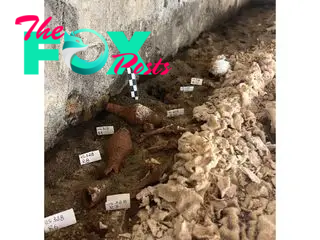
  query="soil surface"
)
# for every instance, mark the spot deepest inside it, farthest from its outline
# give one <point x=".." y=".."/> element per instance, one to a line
<point x="66" y="179"/>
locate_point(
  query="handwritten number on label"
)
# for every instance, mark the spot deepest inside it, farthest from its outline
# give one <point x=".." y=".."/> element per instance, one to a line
<point x="54" y="227"/>
<point x="58" y="218"/>
<point x="48" y="221"/>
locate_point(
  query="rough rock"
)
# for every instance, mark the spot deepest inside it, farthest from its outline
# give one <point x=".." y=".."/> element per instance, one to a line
<point x="71" y="98"/>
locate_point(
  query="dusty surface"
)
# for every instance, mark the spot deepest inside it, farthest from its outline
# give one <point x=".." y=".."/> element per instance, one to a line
<point x="224" y="173"/>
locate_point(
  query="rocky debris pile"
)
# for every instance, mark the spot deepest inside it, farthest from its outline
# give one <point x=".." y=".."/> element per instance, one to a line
<point x="223" y="182"/>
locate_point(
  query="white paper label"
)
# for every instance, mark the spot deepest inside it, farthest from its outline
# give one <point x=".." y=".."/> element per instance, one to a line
<point x="118" y="201"/>
<point x="105" y="130"/>
<point x="175" y="112"/>
<point x="196" y="81"/>
<point x="90" y="157"/>
<point x="187" y="88"/>
<point x="59" y="220"/>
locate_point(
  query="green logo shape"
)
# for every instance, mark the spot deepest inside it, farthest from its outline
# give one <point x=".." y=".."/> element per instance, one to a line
<point x="73" y="44"/>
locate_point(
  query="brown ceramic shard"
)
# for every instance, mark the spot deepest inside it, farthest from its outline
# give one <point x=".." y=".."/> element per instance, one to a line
<point x="118" y="147"/>
<point x="95" y="193"/>
<point x="136" y="114"/>
<point x="155" y="174"/>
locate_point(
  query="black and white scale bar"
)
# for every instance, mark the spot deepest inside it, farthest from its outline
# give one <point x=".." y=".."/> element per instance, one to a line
<point x="133" y="83"/>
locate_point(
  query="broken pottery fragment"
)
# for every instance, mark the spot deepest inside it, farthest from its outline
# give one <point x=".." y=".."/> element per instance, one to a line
<point x="136" y="114"/>
<point x="95" y="193"/>
<point x="118" y="147"/>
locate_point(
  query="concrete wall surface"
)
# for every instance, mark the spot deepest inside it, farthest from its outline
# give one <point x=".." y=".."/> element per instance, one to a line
<point x="71" y="98"/>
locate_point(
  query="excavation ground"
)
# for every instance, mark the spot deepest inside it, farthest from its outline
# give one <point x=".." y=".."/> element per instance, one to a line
<point x="66" y="179"/>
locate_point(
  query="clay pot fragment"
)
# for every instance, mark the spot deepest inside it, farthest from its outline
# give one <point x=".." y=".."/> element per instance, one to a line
<point x="136" y="114"/>
<point x="154" y="175"/>
<point x="95" y="193"/>
<point x="118" y="147"/>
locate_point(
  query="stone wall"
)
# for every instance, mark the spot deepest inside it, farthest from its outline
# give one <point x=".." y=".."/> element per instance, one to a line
<point x="71" y="98"/>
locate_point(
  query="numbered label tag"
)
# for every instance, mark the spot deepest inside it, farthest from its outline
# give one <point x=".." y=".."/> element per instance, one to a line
<point x="90" y="157"/>
<point x="59" y="220"/>
<point x="187" y="89"/>
<point x="118" y="201"/>
<point x="105" y="130"/>
<point x="196" y="81"/>
<point x="175" y="112"/>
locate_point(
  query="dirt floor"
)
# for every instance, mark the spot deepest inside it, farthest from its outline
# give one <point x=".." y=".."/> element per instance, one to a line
<point x="232" y="196"/>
